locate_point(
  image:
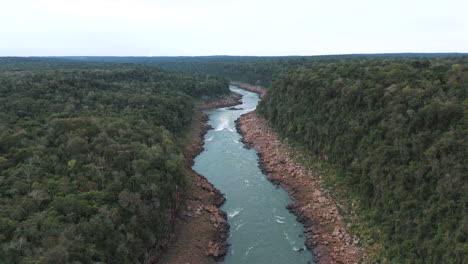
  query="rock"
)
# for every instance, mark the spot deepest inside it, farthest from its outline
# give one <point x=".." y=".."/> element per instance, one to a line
<point x="211" y="208"/>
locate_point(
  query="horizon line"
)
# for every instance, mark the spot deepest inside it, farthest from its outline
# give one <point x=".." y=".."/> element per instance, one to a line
<point x="226" y="55"/>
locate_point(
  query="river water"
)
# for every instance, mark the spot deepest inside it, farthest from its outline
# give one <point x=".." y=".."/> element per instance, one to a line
<point x="262" y="230"/>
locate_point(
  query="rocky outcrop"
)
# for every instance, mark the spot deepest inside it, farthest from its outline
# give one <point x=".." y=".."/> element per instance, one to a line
<point x="325" y="228"/>
<point x="231" y="100"/>
<point x="249" y="87"/>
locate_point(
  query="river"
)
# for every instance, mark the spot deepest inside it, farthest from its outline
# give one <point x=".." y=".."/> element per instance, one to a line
<point x="262" y="230"/>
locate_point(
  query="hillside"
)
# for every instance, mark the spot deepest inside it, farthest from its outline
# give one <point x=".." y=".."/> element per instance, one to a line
<point x="90" y="159"/>
<point x="397" y="133"/>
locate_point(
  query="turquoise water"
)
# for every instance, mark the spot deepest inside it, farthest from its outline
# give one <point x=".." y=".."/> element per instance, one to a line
<point x="262" y="230"/>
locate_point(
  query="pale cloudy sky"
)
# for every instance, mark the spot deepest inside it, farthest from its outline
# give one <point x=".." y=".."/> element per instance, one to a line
<point x="234" y="27"/>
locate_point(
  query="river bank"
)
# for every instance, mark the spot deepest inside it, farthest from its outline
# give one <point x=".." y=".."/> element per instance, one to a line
<point x="230" y="100"/>
<point x="200" y="229"/>
<point x="249" y="87"/>
<point x="325" y="229"/>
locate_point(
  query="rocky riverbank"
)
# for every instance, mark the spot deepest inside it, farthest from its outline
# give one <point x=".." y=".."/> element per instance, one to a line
<point x="325" y="228"/>
<point x="250" y="87"/>
<point x="231" y="100"/>
<point x="201" y="228"/>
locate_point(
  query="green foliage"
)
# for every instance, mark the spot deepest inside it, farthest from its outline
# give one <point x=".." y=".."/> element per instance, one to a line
<point x="89" y="161"/>
<point x="393" y="124"/>
<point x="397" y="130"/>
<point x="257" y="70"/>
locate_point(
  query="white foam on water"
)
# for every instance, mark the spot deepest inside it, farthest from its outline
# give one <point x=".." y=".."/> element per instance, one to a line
<point x="209" y="139"/>
<point x="298" y="249"/>
<point x="248" y="250"/>
<point x="279" y="221"/>
<point x="223" y="123"/>
<point x="247" y="183"/>
<point x="291" y="242"/>
<point x="239" y="226"/>
<point x="235" y="212"/>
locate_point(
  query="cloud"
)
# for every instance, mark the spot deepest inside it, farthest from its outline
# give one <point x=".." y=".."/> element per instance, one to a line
<point x="260" y="27"/>
<point x="122" y="10"/>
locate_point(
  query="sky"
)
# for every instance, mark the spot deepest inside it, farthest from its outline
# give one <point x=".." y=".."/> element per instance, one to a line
<point x="234" y="27"/>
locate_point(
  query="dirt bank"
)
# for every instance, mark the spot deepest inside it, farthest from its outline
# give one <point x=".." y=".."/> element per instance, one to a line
<point x="201" y="228"/>
<point x="325" y="229"/>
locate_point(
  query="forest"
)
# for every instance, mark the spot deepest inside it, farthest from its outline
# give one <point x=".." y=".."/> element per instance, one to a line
<point x="397" y="132"/>
<point x="253" y="69"/>
<point x="89" y="141"/>
<point x="90" y="158"/>
<point x="394" y="126"/>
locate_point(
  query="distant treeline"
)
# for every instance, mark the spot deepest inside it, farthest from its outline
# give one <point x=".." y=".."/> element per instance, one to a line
<point x="45" y="63"/>
<point x="258" y="70"/>
<point x="90" y="164"/>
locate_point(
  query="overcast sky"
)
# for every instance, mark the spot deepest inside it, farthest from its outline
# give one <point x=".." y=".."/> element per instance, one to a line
<point x="234" y="27"/>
